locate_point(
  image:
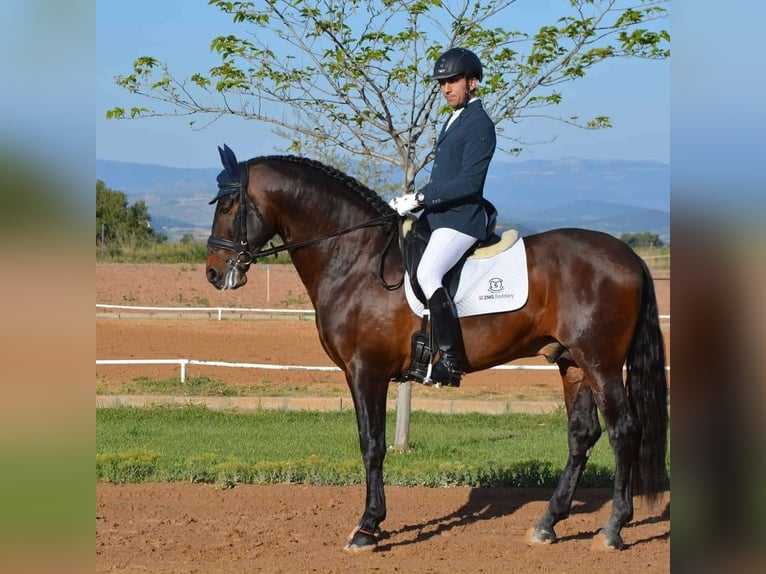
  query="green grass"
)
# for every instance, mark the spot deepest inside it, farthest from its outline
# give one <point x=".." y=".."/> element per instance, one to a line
<point x="193" y="252"/>
<point x="203" y="386"/>
<point x="196" y="444"/>
<point x="190" y="252"/>
<point x="192" y="386"/>
<point x="657" y="259"/>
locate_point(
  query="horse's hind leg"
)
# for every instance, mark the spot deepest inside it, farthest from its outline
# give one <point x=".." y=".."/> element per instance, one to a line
<point x="624" y="435"/>
<point x="584" y="431"/>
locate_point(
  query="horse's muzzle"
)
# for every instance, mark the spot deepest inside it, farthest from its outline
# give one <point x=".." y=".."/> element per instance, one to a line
<point x="232" y="278"/>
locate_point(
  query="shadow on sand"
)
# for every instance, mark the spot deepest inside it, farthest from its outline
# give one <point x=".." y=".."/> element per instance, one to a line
<point x="491" y="503"/>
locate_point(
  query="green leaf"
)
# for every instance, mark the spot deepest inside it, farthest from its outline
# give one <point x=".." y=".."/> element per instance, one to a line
<point x="115" y="114"/>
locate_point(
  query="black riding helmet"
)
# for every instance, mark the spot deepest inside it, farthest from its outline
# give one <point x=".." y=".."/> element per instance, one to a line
<point x="456" y="62"/>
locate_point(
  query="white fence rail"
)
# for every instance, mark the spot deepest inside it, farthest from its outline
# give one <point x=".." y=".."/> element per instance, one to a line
<point x="182" y="363"/>
<point x="220" y="310"/>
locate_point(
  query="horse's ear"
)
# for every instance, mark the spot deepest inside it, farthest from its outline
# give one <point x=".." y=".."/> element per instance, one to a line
<point x="232" y="159"/>
<point x="228" y="159"/>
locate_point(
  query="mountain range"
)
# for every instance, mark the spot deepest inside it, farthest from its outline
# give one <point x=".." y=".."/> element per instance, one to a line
<point x="614" y="196"/>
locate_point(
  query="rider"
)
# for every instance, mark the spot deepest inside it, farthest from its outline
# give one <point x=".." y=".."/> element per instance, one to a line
<point x="453" y="201"/>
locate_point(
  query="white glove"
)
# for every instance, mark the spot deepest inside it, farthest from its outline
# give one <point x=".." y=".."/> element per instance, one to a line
<point x="406" y="203"/>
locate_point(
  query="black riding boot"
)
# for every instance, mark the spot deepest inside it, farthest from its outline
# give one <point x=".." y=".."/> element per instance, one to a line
<point x="449" y="339"/>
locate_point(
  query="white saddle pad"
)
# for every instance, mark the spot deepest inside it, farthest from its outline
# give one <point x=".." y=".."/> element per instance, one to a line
<point x="487" y="285"/>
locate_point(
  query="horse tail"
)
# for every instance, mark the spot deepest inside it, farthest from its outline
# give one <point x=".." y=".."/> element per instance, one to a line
<point x="647" y="391"/>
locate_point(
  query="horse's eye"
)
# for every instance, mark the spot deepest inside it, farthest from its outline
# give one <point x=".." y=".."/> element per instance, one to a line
<point x="226" y="203"/>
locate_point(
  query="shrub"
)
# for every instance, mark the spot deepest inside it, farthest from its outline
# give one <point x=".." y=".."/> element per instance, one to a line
<point x="134" y="465"/>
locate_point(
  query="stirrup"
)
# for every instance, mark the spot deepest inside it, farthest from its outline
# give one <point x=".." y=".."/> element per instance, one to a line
<point x="420" y="376"/>
<point x="420" y="364"/>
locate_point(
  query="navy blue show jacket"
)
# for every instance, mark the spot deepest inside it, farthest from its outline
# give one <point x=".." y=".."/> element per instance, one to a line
<point x="453" y="196"/>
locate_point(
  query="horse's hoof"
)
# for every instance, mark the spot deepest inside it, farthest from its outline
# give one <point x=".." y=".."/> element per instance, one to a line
<point x="539" y="535"/>
<point x="606" y="541"/>
<point x="361" y="541"/>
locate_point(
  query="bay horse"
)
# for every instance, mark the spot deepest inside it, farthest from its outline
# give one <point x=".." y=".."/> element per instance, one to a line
<point x="591" y="310"/>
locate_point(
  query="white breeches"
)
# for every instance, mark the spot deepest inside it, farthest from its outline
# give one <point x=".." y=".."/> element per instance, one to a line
<point x="444" y="250"/>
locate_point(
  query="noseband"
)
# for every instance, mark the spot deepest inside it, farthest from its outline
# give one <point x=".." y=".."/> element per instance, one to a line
<point x="246" y="257"/>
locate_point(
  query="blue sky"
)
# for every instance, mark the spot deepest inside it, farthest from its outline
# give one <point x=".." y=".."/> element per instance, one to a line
<point x="635" y="94"/>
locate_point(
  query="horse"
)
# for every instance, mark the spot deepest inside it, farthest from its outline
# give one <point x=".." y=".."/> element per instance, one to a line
<point x="591" y="310"/>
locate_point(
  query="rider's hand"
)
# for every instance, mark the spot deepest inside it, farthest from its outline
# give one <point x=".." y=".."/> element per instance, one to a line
<point x="406" y="203"/>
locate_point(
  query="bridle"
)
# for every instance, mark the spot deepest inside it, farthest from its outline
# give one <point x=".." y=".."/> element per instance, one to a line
<point x="246" y="256"/>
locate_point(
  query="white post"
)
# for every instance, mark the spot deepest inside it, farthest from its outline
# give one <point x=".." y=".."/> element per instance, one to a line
<point x="403" y="407"/>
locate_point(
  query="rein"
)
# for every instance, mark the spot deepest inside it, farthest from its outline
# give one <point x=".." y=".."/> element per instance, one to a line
<point x="245" y="257"/>
<point x="377" y="222"/>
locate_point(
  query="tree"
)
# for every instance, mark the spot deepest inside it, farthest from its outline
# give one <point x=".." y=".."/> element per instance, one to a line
<point x="116" y="221"/>
<point x="351" y="77"/>
<point x="643" y="239"/>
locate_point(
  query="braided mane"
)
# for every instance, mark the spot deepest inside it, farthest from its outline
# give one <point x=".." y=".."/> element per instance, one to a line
<point x="353" y="184"/>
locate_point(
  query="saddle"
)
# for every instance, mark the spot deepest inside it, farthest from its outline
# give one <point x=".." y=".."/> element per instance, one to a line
<point x="414" y="238"/>
<point x="415" y="235"/>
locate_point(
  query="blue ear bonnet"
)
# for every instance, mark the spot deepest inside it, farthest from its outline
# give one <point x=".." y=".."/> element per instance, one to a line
<point x="228" y="183"/>
<point x="233" y="176"/>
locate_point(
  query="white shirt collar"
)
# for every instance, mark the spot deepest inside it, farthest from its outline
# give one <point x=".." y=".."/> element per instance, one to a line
<point x="458" y="111"/>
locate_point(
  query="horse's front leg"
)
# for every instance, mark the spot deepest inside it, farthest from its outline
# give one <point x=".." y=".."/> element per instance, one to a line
<point x="369" y="392"/>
